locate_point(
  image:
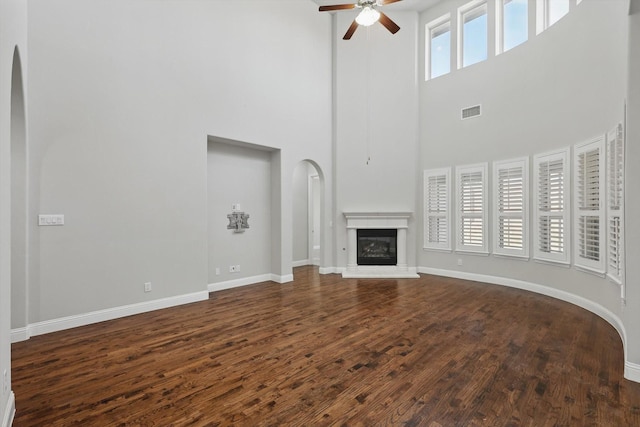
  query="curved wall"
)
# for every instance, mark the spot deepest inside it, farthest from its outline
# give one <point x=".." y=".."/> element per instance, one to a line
<point x="562" y="87"/>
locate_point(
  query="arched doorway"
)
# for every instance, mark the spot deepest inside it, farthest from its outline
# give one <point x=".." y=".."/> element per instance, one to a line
<point x="18" y="200"/>
<point x="308" y="201"/>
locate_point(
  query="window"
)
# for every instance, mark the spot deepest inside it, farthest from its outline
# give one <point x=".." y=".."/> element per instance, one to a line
<point x="437" y="222"/>
<point x="589" y="209"/>
<point x="615" y="204"/>
<point x="472" y="33"/>
<point x="549" y="12"/>
<point x="471" y="193"/>
<point x="551" y="183"/>
<point x="513" y="24"/>
<point x="511" y="207"/>
<point x="438" y="47"/>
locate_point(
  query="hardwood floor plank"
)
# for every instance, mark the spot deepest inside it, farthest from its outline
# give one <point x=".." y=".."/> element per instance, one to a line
<point x="325" y="351"/>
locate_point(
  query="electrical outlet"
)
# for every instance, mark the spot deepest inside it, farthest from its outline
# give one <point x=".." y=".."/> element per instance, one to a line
<point x="459" y="261"/>
<point x="147" y="287"/>
<point x="232" y="269"/>
<point x="238" y="268"/>
<point x="217" y="271"/>
<point x="5" y="381"/>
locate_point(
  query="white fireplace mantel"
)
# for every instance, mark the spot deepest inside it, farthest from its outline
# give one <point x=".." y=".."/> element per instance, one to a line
<point x="380" y="220"/>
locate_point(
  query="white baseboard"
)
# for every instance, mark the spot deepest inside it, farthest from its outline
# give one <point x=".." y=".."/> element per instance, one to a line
<point x="329" y="270"/>
<point x="245" y="281"/>
<point x="282" y="279"/>
<point x="9" y="411"/>
<point x="20" y="334"/>
<point x="301" y="263"/>
<point x="631" y="370"/>
<point x="69" y="322"/>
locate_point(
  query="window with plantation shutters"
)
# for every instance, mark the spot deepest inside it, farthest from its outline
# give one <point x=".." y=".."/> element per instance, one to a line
<point x="437" y="212"/>
<point x="471" y="194"/>
<point x="589" y="235"/>
<point x="615" y="204"/>
<point x="511" y="207"/>
<point x="551" y="176"/>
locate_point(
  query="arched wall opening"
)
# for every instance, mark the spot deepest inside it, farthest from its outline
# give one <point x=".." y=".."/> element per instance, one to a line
<point x="308" y="208"/>
<point x="19" y="233"/>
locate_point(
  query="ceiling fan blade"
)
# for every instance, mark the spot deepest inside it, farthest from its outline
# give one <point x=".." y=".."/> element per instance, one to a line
<point x="384" y="2"/>
<point x="388" y="23"/>
<point x="352" y="29"/>
<point x="337" y="7"/>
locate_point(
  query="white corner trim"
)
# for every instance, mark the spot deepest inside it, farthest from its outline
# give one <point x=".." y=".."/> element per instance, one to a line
<point x="282" y="279"/>
<point x="631" y="370"/>
<point x="69" y="322"/>
<point x="9" y="411"/>
<point x="20" y="334"/>
<point x="329" y="270"/>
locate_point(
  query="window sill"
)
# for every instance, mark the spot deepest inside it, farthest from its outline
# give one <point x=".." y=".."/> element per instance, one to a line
<point x="563" y="264"/>
<point x="444" y="250"/>
<point x="466" y="252"/>
<point x="516" y="257"/>
<point x="593" y="271"/>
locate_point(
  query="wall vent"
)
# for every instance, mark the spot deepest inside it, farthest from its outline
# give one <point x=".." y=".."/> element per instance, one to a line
<point x="469" y="112"/>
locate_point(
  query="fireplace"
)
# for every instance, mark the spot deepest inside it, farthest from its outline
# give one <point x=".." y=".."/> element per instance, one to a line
<point x="377" y="246"/>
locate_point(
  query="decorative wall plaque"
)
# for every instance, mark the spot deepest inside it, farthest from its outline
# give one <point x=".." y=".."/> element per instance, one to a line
<point x="238" y="222"/>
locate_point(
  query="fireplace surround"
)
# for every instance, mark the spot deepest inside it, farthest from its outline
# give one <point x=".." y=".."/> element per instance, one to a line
<point x="396" y="223"/>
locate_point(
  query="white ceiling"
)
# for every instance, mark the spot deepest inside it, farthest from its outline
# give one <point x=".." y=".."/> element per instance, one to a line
<point x="417" y="5"/>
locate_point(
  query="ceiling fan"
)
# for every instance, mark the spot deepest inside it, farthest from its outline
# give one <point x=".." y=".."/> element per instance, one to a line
<point x="369" y="15"/>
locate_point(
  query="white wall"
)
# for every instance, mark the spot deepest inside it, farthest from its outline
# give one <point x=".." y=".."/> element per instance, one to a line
<point x="632" y="194"/>
<point x="562" y="87"/>
<point x="376" y="122"/>
<point x="238" y="175"/>
<point x="123" y="96"/>
<point x="13" y="34"/>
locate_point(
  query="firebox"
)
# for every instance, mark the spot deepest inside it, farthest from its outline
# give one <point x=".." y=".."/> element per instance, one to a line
<point x="377" y="246"/>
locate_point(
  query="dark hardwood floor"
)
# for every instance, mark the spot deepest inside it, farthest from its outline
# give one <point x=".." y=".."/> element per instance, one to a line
<point x="326" y="351"/>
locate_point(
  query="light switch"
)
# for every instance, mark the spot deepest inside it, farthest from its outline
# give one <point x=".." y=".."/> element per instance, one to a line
<point x="46" y="220"/>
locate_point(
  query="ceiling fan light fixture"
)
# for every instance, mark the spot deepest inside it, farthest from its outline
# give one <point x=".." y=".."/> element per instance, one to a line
<point x="368" y="16"/>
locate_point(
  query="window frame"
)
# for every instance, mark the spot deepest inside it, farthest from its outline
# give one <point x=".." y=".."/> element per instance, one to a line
<point x="429" y="28"/>
<point x="542" y="15"/>
<point x="584" y="213"/>
<point x="461" y="247"/>
<point x="615" y="146"/>
<point x="521" y="163"/>
<point x="499" y="27"/>
<point x="462" y="11"/>
<point x="563" y="258"/>
<point x="427" y="243"/>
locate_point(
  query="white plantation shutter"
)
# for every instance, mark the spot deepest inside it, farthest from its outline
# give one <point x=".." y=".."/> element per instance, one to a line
<point x="589" y="206"/>
<point x="471" y="193"/>
<point x="437" y="195"/>
<point x="551" y="198"/>
<point x="615" y="204"/>
<point x="511" y="207"/>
